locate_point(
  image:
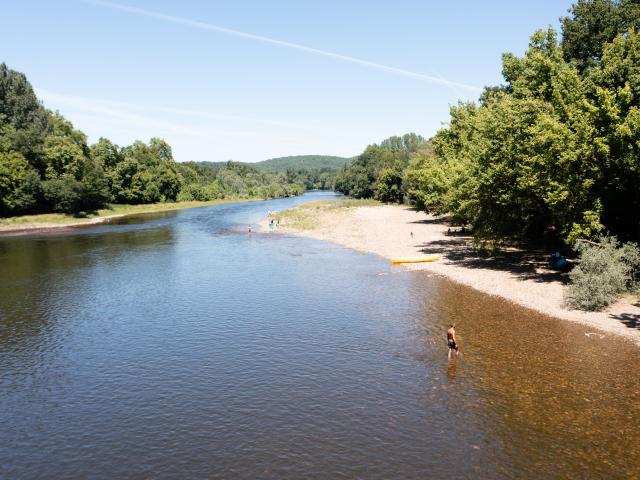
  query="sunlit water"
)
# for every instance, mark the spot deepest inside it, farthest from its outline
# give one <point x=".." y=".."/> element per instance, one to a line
<point x="178" y="346"/>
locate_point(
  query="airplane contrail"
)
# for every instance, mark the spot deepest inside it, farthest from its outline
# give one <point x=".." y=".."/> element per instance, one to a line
<point x="280" y="43"/>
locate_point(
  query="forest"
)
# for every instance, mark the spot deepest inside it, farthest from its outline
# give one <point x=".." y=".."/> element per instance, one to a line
<point x="551" y="154"/>
<point x="46" y="165"/>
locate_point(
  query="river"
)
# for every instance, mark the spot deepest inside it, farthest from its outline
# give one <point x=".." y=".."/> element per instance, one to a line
<point x="178" y="346"/>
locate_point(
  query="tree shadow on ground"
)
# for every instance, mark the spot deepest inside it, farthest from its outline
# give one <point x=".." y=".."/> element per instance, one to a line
<point x="523" y="263"/>
<point x="431" y="220"/>
<point x="629" y="319"/>
<point x="85" y="213"/>
<point x="427" y="221"/>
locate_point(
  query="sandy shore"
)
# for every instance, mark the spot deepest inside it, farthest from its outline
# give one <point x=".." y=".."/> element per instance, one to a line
<point x="27" y="228"/>
<point x="518" y="276"/>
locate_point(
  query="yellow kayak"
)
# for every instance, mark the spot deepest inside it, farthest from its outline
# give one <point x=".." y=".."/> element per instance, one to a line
<point x="424" y="258"/>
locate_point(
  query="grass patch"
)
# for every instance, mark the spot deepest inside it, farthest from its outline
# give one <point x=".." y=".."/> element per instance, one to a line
<point x="111" y="210"/>
<point x="305" y="216"/>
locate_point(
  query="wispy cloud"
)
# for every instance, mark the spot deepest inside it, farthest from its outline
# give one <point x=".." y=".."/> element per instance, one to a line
<point x="118" y="113"/>
<point x="198" y="135"/>
<point x="84" y="102"/>
<point x="138" y="119"/>
<point x="281" y="43"/>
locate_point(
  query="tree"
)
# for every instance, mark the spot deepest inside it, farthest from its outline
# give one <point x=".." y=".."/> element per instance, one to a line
<point x="389" y="186"/>
<point x="62" y="193"/>
<point x="524" y="161"/>
<point x="594" y="23"/>
<point x="19" y="184"/>
<point x="360" y="179"/>
<point x="46" y="165"/>
<point x="64" y="157"/>
<point x="105" y="153"/>
<point x="20" y="108"/>
<point x="614" y="92"/>
<point x="143" y="173"/>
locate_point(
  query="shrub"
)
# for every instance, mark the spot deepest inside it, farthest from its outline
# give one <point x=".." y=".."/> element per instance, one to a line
<point x="19" y="184"/>
<point x="200" y="193"/>
<point x="190" y="192"/>
<point x="63" y="194"/>
<point x="606" y="270"/>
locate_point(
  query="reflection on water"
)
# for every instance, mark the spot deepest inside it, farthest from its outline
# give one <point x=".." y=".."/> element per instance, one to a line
<point x="563" y="403"/>
<point x="178" y="346"/>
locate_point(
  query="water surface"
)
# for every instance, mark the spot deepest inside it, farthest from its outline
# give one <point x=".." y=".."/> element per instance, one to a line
<point x="178" y="346"/>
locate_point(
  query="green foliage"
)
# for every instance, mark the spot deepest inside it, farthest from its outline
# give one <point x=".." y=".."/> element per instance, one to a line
<point x="606" y="270"/>
<point x="201" y="193"/>
<point x="389" y="188"/>
<point x="64" y="157"/>
<point x="20" y="109"/>
<point x="301" y="163"/>
<point x="379" y="171"/>
<point x="106" y="154"/>
<point x="63" y="194"/>
<point x="46" y="165"/>
<point x="237" y="180"/>
<point x="404" y="145"/>
<point x="19" y="184"/>
<point x="551" y="154"/>
<point x="315" y="172"/>
<point x="594" y="23"/>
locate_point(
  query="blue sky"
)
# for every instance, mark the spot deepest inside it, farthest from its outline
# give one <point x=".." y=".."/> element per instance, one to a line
<point x="169" y="69"/>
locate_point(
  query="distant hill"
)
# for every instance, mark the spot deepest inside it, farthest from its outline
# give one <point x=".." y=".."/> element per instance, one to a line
<point x="297" y="162"/>
<point x="300" y="162"/>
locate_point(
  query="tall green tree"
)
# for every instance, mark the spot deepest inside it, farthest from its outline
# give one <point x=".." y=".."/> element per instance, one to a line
<point x="614" y="96"/>
<point x="379" y="170"/>
<point x="591" y="24"/>
<point x="19" y="184"/>
<point x="21" y="109"/>
<point x="524" y="162"/>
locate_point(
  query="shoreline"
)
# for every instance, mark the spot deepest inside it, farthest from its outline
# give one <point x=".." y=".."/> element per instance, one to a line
<point x="30" y="224"/>
<point x="515" y="275"/>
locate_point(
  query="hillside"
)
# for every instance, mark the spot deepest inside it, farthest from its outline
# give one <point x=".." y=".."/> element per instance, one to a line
<point x="301" y="162"/>
<point x="297" y="162"/>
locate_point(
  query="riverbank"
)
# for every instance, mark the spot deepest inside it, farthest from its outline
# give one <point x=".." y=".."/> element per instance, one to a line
<point x="517" y="275"/>
<point x="52" y="221"/>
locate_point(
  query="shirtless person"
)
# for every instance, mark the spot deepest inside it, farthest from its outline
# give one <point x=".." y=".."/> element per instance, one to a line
<point x="451" y="341"/>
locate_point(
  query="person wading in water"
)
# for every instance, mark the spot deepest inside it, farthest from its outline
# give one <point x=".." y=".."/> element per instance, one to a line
<point x="452" y="343"/>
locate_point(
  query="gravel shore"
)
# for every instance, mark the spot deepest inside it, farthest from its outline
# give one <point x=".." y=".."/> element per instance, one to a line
<point x="516" y="275"/>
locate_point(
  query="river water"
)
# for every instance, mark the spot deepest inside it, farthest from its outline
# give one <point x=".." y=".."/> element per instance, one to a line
<point x="178" y="346"/>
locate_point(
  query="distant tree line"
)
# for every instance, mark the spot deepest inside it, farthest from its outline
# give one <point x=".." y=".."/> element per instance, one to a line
<point x="552" y="153"/>
<point x="380" y="171"/>
<point x="311" y="178"/>
<point x="235" y="179"/>
<point x="47" y="166"/>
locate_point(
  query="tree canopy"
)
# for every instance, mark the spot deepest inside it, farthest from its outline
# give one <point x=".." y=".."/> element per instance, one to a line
<point x="379" y="171"/>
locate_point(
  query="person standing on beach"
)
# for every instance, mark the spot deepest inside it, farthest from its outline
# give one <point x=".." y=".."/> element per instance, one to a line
<point x="452" y="343"/>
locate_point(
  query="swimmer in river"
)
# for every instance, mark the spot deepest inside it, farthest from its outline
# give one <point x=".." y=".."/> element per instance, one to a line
<point x="451" y="341"/>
